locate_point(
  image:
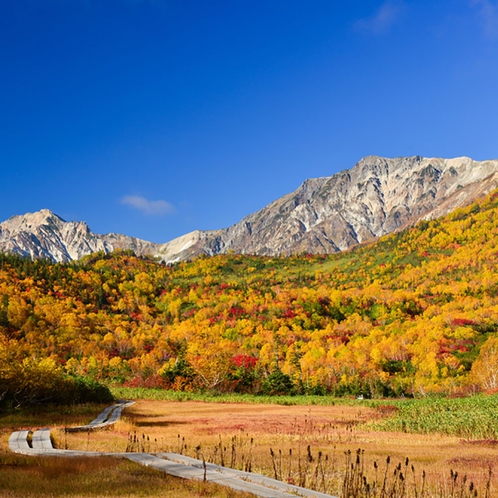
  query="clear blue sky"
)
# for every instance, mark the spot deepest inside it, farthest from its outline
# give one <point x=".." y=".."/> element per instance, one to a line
<point x="154" y="118"/>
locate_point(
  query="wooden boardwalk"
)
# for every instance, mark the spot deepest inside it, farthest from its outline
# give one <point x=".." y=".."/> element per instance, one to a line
<point x="108" y="417"/>
<point x="170" y="463"/>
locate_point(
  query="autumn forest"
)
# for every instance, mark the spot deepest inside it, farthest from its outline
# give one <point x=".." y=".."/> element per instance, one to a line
<point x="411" y="314"/>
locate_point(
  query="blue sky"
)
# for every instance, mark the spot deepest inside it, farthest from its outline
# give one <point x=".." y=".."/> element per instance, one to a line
<point x="154" y="118"/>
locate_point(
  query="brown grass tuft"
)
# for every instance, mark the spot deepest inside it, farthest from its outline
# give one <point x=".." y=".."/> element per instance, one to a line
<point x="387" y="410"/>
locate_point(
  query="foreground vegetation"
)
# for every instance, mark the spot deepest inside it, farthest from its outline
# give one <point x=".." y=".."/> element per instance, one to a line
<point x="39" y="477"/>
<point x="345" y="447"/>
<point x="31" y="477"/>
<point x="332" y="449"/>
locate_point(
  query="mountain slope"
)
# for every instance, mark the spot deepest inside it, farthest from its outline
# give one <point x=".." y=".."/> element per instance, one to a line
<point x="413" y="313"/>
<point x="377" y="196"/>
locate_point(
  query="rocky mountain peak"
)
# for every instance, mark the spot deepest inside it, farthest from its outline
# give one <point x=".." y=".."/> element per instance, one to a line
<point x="44" y="234"/>
<point x="30" y="220"/>
<point x="377" y="196"/>
<point x="323" y="215"/>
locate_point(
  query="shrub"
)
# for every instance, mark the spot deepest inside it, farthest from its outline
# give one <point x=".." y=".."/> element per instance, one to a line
<point x="34" y="382"/>
<point x="277" y="383"/>
<point x="88" y="390"/>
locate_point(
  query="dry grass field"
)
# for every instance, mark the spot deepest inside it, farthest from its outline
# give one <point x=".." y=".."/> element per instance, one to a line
<point x="28" y="477"/>
<point x="307" y="445"/>
<point x="38" y="477"/>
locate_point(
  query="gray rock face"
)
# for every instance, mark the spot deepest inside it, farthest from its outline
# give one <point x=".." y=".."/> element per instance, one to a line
<point x="377" y="196"/>
<point x="46" y="235"/>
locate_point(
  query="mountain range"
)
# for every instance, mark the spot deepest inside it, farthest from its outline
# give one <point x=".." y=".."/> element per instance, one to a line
<point x="324" y="215"/>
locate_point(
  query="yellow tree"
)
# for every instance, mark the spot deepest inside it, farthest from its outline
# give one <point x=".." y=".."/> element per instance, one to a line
<point x="209" y="354"/>
<point x="485" y="368"/>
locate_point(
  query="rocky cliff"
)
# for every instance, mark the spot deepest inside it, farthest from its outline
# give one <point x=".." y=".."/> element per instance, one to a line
<point x="377" y="196"/>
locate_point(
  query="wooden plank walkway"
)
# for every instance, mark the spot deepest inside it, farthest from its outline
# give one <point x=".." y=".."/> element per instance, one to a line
<point x="194" y="473"/>
<point x="41" y="440"/>
<point x="18" y="441"/>
<point x="108" y="417"/>
<point x="116" y="414"/>
<point x="171" y="463"/>
<point x="247" y="477"/>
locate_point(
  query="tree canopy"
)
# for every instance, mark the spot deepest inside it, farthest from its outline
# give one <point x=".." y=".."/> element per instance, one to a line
<point x="413" y="313"/>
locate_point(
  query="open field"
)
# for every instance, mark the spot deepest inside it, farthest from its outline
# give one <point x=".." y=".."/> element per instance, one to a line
<point x="245" y="435"/>
<point x="471" y="417"/>
<point x="302" y="444"/>
<point x="39" y="477"/>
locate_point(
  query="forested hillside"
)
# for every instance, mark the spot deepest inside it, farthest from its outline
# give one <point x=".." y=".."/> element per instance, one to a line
<point x="415" y="313"/>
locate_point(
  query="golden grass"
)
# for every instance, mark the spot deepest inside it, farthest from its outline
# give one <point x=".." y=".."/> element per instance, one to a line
<point x="332" y="430"/>
<point x="30" y="477"/>
<point x="212" y="429"/>
<point x="45" y="477"/>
